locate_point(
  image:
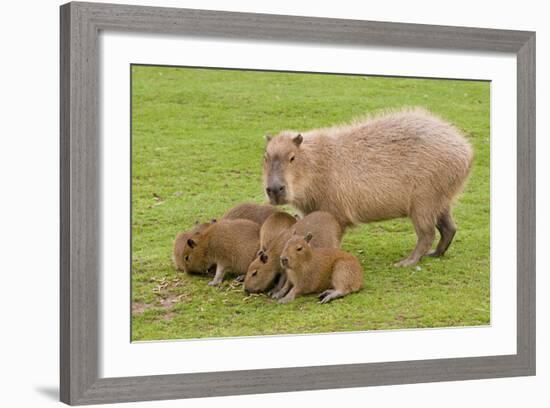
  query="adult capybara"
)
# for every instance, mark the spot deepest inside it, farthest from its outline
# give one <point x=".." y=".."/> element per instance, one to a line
<point x="331" y="271"/>
<point x="407" y="163"/>
<point x="228" y="244"/>
<point x="247" y="211"/>
<point x="264" y="270"/>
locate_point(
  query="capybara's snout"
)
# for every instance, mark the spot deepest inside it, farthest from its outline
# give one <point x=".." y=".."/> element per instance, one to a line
<point x="276" y="193"/>
<point x="284" y="261"/>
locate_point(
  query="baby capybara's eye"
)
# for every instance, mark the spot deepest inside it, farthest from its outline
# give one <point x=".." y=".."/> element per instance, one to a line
<point x="299" y="248"/>
<point x="186" y="257"/>
<point x="292" y="158"/>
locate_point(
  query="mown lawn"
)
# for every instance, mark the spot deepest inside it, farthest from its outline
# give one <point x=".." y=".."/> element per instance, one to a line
<point x="197" y="148"/>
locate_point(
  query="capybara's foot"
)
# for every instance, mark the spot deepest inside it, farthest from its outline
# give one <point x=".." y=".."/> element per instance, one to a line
<point x="285" y="300"/>
<point x="278" y="294"/>
<point x="434" y="253"/>
<point x="329" y="295"/>
<point x="240" y="278"/>
<point x="290" y="296"/>
<point x="214" y="282"/>
<point x="406" y="262"/>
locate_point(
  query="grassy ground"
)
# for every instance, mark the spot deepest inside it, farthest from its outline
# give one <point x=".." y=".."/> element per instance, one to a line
<point x="197" y="150"/>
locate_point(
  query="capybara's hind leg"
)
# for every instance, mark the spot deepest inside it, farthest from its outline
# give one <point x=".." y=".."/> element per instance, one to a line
<point x="329" y="295"/>
<point x="425" y="231"/>
<point x="347" y="277"/>
<point x="447" y="229"/>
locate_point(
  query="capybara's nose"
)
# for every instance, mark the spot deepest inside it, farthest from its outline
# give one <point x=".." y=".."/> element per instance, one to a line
<point x="275" y="190"/>
<point x="284" y="261"/>
<point x="246" y="291"/>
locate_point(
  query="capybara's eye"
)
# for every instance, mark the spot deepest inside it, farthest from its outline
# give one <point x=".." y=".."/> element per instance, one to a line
<point x="292" y="158"/>
<point x="299" y="248"/>
<point x="254" y="273"/>
<point x="186" y="257"/>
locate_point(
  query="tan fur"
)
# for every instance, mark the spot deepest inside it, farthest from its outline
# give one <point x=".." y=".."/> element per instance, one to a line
<point x="179" y="245"/>
<point x="327" y="233"/>
<point x="228" y="244"/>
<point x="273" y="226"/>
<point x="257" y="213"/>
<point x="331" y="271"/>
<point x="251" y="211"/>
<point x="408" y="163"/>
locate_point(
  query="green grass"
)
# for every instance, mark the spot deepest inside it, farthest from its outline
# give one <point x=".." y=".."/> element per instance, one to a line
<point x="197" y="150"/>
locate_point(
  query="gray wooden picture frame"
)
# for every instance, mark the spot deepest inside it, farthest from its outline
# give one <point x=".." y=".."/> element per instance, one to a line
<point x="81" y="24"/>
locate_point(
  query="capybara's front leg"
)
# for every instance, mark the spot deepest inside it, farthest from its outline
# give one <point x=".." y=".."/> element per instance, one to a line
<point x="218" y="278"/>
<point x="280" y="283"/>
<point x="290" y="296"/>
<point x="284" y="290"/>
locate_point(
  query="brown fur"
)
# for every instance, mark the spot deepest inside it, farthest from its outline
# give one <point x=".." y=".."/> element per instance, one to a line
<point x="257" y="213"/>
<point x="274" y="226"/>
<point x="181" y="241"/>
<point x="402" y="164"/>
<point x="228" y="244"/>
<point x="331" y="271"/>
<point x="251" y="211"/>
<point x="262" y="273"/>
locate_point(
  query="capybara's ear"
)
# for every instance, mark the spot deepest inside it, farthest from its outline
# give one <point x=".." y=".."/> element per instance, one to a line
<point x="298" y="139"/>
<point x="268" y="137"/>
<point x="263" y="257"/>
<point x="191" y="243"/>
<point x="260" y="252"/>
<point x="213" y="221"/>
<point x="308" y="237"/>
<point x="294" y="231"/>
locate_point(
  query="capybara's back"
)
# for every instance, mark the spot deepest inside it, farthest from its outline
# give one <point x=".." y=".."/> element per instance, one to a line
<point x="407" y="163"/>
<point x="251" y="211"/>
<point x="327" y="232"/>
<point x="274" y="226"/>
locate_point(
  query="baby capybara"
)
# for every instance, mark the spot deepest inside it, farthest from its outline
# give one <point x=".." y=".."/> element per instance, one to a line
<point x="228" y="244"/>
<point x="408" y="163"/>
<point x="266" y="268"/>
<point x="247" y="211"/>
<point x="251" y="211"/>
<point x="273" y="227"/>
<point x="181" y="241"/>
<point x="331" y="272"/>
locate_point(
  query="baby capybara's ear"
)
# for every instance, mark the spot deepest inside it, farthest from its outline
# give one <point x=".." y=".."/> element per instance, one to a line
<point x="298" y="139"/>
<point x="197" y="222"/>
<point x="268" y="137"/>
<point x="191" y="243"/>
<point x="213" y="221"/>
<point x="308" y="237"/>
